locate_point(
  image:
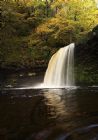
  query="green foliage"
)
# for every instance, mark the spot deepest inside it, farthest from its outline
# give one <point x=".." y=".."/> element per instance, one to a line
<point x="86" y="75"/>
<point x="32" y="30"/>
<point x="72" y="21"/>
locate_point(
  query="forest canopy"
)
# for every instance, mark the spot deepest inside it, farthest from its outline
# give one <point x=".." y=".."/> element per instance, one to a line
<point x="32" y="30"/>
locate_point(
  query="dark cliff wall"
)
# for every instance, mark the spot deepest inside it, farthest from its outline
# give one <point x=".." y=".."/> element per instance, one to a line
<point x="86" y="59"/>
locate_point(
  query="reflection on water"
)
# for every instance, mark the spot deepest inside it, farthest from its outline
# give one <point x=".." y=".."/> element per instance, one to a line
<point x="55" y="102"/>
<point x="49" y="114"/>
<point x="58" y="102"/>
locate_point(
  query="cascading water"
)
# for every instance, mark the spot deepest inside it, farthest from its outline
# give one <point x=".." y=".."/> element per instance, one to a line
<point x="60" y="71"/>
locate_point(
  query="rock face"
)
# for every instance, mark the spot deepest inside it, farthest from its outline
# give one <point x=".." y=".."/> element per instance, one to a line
<point x="86" y="56"/>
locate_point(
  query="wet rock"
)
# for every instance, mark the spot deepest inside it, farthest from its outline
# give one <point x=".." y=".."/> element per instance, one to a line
<point x="31" y="74"/>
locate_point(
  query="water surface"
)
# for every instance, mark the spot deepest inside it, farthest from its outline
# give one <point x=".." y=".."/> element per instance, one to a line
<point x="53" y="114"/>
<point x="47" y="114"/>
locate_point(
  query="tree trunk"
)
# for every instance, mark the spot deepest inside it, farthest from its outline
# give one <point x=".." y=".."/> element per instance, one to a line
<point x="47" y="8"/>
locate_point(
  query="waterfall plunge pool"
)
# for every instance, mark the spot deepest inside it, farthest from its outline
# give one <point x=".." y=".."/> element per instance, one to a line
<point x="55" y="110"/>
<point x="49" y="114"/>
<point x="46" y="114"/>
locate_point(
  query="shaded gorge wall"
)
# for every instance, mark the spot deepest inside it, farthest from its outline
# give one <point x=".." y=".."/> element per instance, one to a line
<point x="86" y="59"/>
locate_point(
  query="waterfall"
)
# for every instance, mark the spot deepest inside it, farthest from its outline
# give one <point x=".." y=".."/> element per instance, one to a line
<point x="60" y="71"/>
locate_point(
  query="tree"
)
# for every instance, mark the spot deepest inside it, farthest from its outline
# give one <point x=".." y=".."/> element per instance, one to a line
<point x="27" y="26"/>
<point x="72" y="21"/>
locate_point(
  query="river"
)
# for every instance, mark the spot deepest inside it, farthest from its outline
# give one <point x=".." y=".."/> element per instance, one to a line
<point x="46" y="114"/>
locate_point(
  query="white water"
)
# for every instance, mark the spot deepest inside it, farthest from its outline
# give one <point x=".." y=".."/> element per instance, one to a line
<point x="60" y="71"/>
